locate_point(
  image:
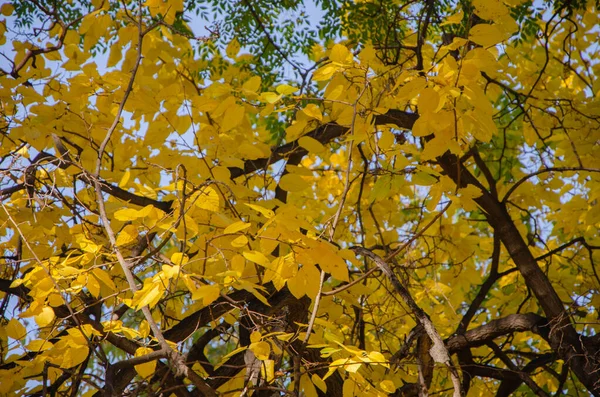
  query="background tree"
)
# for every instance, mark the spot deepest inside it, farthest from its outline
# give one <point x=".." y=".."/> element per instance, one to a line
<point x="296" y="198"/>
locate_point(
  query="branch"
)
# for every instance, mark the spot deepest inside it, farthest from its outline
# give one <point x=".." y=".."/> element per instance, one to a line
<point x="507" y="325"/>
<point x="522" y="375"/>
<point x="551" y="169"/>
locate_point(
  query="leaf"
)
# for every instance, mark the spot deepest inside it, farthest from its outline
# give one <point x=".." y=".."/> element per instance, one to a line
<point x="252" y="84"/>
<point x="490" y="9"/>
<point x="179" y="258"/>
<point x="74" y="355"/>
<point x="255" y="337"/>
<point x="240" y="241"/>
<point x="267" y="370"/>
<point x="285" y="89"/>
<point x="207" y="294"/>
<point x="313" y="111"/>
<point x="261" y="350"/>
<point x="311" y="144"/>
<point x="208" y="199"/>
<point x="127" y="235"/>
<point x="270" y="97"/>
<point x="307" y="386"/>
<point x="454" y="19"/>
<point x="387" y="386"/>
<point x="234" y="115"/>
<point x="7" y="9"/>
<point x="429" y="100"/>
<point x="148" y="296"/>
<point x="339" y="53"/>
<point x="293" y="183"/>
<point x="324" y="73"/>
<point x="147" y="369"/>
<point x="236" y="227"/>
<point x="233" y="48"/>
<point x="377" y="358"/>
<point x="125" y="179"/>
<point x="39" y="345"/>
<point x="334" y="92"/>
<point x="264" y="211"/>
<point x="104" y="278"/>
<point x="257" y="257"/>
<point x="46" y="317"/>
<point x="317" y="381"/>
<point x="485" y="35"/>
<point x="16" y="330"/>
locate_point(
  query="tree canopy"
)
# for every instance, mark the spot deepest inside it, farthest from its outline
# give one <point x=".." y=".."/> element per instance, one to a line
<point x="287" y="198"/>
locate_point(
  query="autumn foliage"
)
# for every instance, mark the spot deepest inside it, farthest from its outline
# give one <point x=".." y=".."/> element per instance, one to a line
<point x="266" y="198"/>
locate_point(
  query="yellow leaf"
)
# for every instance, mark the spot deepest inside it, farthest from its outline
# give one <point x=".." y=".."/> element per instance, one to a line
<point x="74" y="355"/>
<point x="311" y="144"/>
<point x="207" y="293"/>
<point x="340" y="54"/>
<point x="125" y="178"/>
<point x="269" y="97"/>
<point x="170" y="271"/>
<point x="324" y="72"/>
<point x="387" y="386"/>
<point x="127" y="235"/>
<point x="104" y="277"/>
<point x="24" y="151"/>
<point x="233" y="117"/>
<point x="127" y="214"/>
<point x="409" y="90"/>
<point x="261" y="350"/>
<point x="179" y="258"/>
<point x="208" y="199"/>
<point x="239" y="241"/>
<point x="255" y="336"/>
<point x="305" y="282"/>
<point x="293" y="183"/>
<point x="334" y="92"/>
<point x="285" y="89"/>
<point x="454" y="19"/>
<point x="233" y="48"/>
<point x="317" y="381"/>
<point x="312" y="110"/>
<point x="264" y="211"/>
<point x="45" y="317"/>
<point x="331" y="262"/>
<point x="252" y="84"/>
<point x="16" y="330"/>
<point x="429" y="100"/>
<point x="236" y="227"/>
<point x="490" y="9"/>
<point x="377" y="358"/>
<point x="148" y="296"/>
<point x="221" y="173"/>
<point x="93" y="285"/>
<point x="257" y="257"/>
<point x="267" y="370"/>
<point x="423" y="179"/>
<point x="146" y="369"/>
<point x="485" y="35"/>
<point x="38" y="345"/>
<point x="7" y="9"/>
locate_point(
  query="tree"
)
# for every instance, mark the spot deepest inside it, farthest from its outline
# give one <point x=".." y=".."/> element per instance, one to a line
<point x="210" y="198"/>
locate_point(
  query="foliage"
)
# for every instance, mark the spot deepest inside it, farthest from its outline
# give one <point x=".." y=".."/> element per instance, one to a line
<point x="299" y="198"/>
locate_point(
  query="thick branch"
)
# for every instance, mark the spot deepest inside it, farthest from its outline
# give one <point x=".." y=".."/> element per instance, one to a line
<point x="504" y="326"/>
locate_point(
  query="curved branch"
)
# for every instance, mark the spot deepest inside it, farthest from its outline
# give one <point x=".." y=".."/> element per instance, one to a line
<point x="551" y="169"/>
<point x="507" y="325"/>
